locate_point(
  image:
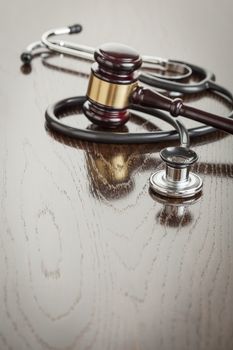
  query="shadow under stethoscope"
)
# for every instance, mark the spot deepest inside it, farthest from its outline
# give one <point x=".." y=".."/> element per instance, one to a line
<point x="111" y="168"/>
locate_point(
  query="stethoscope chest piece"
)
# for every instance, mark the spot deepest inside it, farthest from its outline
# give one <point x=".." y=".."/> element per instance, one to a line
<point x="176" y="180"/>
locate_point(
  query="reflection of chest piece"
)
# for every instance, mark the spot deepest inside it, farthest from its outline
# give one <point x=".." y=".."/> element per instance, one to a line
<point x="176" y="180"/>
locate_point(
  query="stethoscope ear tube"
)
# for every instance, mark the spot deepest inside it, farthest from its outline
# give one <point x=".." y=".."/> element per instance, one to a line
<point x="181" y="70"/>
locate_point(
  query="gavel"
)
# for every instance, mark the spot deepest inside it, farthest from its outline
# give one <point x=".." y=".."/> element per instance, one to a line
<point x="113" y="88"/>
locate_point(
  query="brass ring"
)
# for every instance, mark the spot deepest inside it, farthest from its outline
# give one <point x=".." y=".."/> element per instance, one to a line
<point x="109" y="94"/>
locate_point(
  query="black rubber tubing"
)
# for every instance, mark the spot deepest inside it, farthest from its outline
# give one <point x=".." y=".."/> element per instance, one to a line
<point x="55" y="123"/>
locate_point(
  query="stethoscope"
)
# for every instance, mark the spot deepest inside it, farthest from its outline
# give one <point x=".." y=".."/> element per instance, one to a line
<point x="114" y="90"/>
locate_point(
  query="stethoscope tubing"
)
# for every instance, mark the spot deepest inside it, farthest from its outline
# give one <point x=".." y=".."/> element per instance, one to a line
<point x="181" y="87"/>
<point x="180" y="133"/>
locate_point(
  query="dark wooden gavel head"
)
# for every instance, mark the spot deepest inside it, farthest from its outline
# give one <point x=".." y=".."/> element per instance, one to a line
<point x="113" y="78"/>
<point x="113" y="86"/>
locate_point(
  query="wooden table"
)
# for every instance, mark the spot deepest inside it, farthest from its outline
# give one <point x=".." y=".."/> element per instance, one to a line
<point x="89" y="258"/>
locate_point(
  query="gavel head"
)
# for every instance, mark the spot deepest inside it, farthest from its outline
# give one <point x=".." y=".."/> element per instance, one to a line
<point x="112" y="80"/>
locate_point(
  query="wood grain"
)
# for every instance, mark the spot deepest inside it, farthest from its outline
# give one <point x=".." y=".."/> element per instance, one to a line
<point x="89" y="258"/>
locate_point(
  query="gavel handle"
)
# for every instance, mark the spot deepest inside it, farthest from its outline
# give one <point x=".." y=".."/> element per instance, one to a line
<point x="148" y="98"/>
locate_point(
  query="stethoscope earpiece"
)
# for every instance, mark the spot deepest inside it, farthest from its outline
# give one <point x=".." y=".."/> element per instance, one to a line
<point x="176" y="180"/>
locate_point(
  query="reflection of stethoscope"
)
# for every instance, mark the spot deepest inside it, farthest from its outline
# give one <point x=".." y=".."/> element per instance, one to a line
<point x="113" y="90"/>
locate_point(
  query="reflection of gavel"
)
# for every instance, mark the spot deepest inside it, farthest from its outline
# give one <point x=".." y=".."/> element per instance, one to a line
<point x="113" y="87"/>
<point x="110" y="170"/>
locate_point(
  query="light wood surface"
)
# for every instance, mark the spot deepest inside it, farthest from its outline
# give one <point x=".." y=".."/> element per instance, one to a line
<point x="88" y="258"/>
